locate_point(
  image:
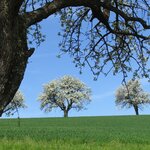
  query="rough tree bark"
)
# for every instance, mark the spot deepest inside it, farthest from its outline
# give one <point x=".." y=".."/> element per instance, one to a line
<point x="14" y="52"/>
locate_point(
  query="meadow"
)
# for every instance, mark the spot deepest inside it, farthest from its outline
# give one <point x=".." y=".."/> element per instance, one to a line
<point x="76" y="133"/>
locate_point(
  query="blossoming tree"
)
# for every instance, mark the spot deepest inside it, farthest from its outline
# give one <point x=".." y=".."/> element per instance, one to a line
<point x="132" y="95"/>
<point x="65" y="93"/>
<point x="15" y="104"/>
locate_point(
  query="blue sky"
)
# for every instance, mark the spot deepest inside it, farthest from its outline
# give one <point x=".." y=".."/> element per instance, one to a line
<point x="44" y="66"/>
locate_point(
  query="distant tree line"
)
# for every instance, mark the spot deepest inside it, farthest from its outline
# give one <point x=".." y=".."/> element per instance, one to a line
<point x="68" y="93"/>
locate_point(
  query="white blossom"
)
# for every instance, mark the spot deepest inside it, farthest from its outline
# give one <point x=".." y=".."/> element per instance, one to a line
<point x="15" y="104"/>
<point x="132" y="95"/>
<point x="65" y="93"/>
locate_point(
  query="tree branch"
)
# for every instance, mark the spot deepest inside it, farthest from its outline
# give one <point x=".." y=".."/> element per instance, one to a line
<point x="126" y="17"/>
<point x="56" y="5"/>
<point x="52" y="7"/>
<point x="6" y="110"/>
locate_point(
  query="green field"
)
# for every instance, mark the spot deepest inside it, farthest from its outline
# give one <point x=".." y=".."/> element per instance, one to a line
<point x="82" y="133"/>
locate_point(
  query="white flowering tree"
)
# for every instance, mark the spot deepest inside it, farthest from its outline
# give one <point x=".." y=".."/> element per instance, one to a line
<point x="132" y="95"/>
<point x="15" y="104"/>
<point x="65" y="93"/>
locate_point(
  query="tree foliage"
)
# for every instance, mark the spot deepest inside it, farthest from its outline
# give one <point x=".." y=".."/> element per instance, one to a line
<point x="15" y="104"/>
<point x="132" y="95"/>
<point x="107" y="35"/>
<point x="65" y="93"/>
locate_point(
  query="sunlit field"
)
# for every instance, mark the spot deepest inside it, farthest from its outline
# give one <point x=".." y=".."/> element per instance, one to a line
<point x="82" y="133"/>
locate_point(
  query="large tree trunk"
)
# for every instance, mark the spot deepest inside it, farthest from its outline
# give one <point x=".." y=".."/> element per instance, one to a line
<point x="14" y="52"/>
<point x="136" y="109"/>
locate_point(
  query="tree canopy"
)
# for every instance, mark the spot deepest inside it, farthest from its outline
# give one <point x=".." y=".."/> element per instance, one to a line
<point x="132" y="95"/>
<point x="16" y="103"/>
<point x="103" y="33"/>
<point x="65" y="93"/>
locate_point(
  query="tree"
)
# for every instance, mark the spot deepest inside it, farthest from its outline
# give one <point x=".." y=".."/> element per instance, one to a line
<point x="116" y="34"/>
<point x="65" y="93"/>
<point x="132" y="95"/>
<point x="15" y="104"/>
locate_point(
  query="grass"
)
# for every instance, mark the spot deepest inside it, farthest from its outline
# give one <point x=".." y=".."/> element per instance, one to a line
<point x="82" y="133"/>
